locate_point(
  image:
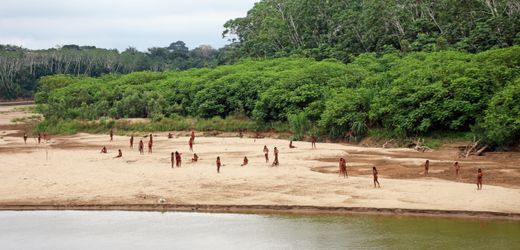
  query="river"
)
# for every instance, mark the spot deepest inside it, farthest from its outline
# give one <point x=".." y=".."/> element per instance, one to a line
<point x="174" y="230"/>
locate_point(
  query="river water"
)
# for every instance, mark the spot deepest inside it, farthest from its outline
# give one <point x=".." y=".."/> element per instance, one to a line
<point x="172" y="230"/>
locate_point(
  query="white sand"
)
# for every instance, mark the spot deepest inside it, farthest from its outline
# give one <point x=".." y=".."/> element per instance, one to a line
<point x="74" y="172"/>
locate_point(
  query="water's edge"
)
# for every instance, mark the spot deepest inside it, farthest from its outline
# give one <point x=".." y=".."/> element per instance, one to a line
<point x="267" y="209"/>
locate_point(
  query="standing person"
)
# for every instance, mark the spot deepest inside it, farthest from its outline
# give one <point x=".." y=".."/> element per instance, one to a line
<point x="275" y="162"/>
<point x="246" y="161"/>
<point x="342" y="168"/>
<point x="132" y="141"/>
<point x="190" y="143"/>
<point x="25" y="138"/>
<point x="141" y="147"/>
<point x="111" y="134"/>
<point x="479" y="179"/>
<point x="172" y="159"/>
<point x="426" y="167"/>
<point x="218" y="164"/>
<point x="120" y="154"/>
<point x="150" y="145"/>
<point x="457" y="168"/>
<point x="192" y="136"/>
<point x="178" y="159"/>
<point x="375" y="173"/>
<point x="313" y="141"/>
<point x="39" y="138"/>
<point x="266" y="154"/>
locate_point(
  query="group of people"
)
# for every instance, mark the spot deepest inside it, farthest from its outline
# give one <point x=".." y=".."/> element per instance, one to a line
<point x="343" y="172"/>
<point x="141" y="144"/>
<point x="176" y="158"/>
<point x="39" y="137"/>
<point x="456" y="166"/>
<point x="276" y="162"/>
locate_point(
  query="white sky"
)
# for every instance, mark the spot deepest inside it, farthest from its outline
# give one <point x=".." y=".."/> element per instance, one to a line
<point x="38" y="24"/>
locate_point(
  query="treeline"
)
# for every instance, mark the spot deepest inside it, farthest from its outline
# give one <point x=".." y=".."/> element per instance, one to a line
<point x="342" y="29"/>
<point x="21" y="68"/>
<point x="317" y="29"/>
<point x="407" y="94"/>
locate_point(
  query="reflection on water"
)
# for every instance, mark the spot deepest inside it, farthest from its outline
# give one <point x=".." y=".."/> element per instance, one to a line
<point x="154" y="230"/>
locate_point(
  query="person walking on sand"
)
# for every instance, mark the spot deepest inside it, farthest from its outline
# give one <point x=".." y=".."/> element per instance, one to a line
<point x="275" y="162"/>
<point x="192" y="136"/>
<point x="479" y="179"/>
<point x="246" y="161"/>
<point x="426" y="167"/>
<point x="457" y="168"/>
<point x="313" y="141"/>
<point x="375" y="173"/>
<point x="172" y="159"/>
<point x="120" y="154"/>
<point x="266" y="154"/>
<point x="25" y="138"/>
<point x="342" y="168"/>
<point x="141" y="147"/>
<point x="195" y="158"/>
<point x="218" y="164"/>
<point x="178" y="159"/>
<point x="104" y="150"/>
<point x="190" y="143"/>
<point x="39" y="138"/>
<point x="111" y="134"/>
<point x="150" y="146"/>
<point x="132" y="141"/>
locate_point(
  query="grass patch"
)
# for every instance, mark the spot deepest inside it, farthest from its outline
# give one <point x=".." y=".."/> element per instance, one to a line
<point x="432" y="140"/>
<point x="124" y="126"/>
<point x="31" y="118"/>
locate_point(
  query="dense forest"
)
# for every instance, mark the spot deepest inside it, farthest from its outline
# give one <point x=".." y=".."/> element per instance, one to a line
<point x="318" y="29"/>
<point x="411" y="94"/>
<point x="338" y="69"/>
<point x="21" y="68"/>
<point x="342" y="29"/>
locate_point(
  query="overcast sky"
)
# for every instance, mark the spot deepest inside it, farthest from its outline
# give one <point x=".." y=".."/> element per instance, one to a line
<point x="117" y="24"/>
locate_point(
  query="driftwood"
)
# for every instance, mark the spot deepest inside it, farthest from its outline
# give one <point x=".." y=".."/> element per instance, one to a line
<point x="386" y="143"/>
<point x="473" y="149"/>
<point x="418" y="146"/>
<point x="481" y="150"/>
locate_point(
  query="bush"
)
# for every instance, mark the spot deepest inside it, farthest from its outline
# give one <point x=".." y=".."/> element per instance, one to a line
<point x="501" y="124"/>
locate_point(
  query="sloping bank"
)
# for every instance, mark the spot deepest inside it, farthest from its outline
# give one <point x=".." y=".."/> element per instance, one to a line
<point x="266" y="209"/>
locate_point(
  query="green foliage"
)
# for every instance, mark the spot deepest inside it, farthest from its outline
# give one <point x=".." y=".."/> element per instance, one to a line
<point x="21" y="68"/>
<point x="346" y="114"/>
<point x="344" y="28"/>
<point x="415" y="94"/>
<point x="229" y="124"/>
<point x="501" y="123"/>
<point x="300" y="125"/>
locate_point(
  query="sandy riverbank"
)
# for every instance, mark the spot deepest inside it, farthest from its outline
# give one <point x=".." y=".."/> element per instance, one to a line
<point x="69" y="171"/>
